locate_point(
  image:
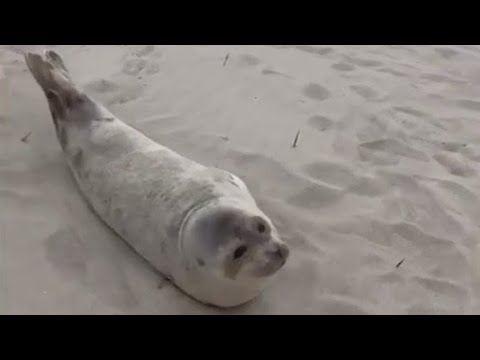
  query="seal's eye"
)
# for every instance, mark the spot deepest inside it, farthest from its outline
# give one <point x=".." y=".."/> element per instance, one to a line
<point x="241" y="250"/>
<point x="261" y="228"/>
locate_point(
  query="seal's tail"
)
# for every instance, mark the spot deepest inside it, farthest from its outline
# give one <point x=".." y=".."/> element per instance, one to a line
<point x="51" y="74"/>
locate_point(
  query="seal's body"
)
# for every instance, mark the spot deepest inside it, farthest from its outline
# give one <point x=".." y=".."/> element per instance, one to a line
<point x="198" y="226"/>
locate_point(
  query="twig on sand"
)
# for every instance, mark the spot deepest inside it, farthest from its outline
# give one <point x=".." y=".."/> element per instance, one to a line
<point x="25" y="138"/>
<point x="400" y="263"/>
<point x="162" y="282"/>
<point x="296" y="139"/>
<point x="226" y="59"/>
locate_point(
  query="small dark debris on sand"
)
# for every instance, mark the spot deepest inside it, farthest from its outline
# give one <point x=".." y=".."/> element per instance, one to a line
<point x="295" y="142"/>
<point x="25" y="138"/>
<point x="226" y="59"/>
<point x="400" y="263"/>
<point x="162" y="283"/>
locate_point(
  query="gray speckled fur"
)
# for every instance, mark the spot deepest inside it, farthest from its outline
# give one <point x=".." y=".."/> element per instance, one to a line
<point x="161" y="203"/>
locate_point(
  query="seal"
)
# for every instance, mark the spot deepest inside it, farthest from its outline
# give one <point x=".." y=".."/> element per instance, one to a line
<point x="198" y="226"/>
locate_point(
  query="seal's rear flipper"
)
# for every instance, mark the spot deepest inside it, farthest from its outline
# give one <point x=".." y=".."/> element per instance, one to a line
<point x="49" y="71"/>
<point x="51" y="74"/>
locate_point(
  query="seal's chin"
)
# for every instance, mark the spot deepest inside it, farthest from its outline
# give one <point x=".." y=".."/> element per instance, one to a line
<point x="270" y="268"/>
<point x="269" y="262"/>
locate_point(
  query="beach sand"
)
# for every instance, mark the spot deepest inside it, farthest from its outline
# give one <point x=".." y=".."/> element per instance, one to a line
<point x="379" y="200"/>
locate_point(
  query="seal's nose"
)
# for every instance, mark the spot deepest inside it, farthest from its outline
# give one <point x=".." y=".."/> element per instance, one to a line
<point x="280" y="251"/>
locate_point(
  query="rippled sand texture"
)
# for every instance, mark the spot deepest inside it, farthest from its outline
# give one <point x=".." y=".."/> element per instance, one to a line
<point x="379" y="200"/>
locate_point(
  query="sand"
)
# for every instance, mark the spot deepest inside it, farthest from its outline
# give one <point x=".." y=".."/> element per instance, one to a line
<point x="379" y="200"/>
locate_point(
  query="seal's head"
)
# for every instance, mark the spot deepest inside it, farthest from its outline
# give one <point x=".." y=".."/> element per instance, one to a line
<point x="236" y="245"/>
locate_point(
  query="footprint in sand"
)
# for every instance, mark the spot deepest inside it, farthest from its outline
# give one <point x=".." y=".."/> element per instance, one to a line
<point x="336" y="306"/>
<point x="452" y="146"/>
<point x="340" y="176"/>
<point x="341" y="66"/>
<point x="372" y="131"/>
<point x="392" y="277"/>
<point x="403" y="48"/>
<point x="363" y="62"/>
<point x="446" y="53"/>
<point x="410" y="111"/>
<point x="127" y="95"/>
<point x="140" y="61"/>
<point x="454" y="165"/>
<point x="369" y="187"/>
<point x="444" y="290"/>
<point x="364" y="91"/>
<point x="147" y="50"/>
<point x="465" y="197"/>
<point x="307" y="48"/>
<point x="392" y="72"/>
<point x="416" y="236"/>
<point x="152" y="68"/>
<point x="315" y="197"/>
<point x="112" y="93"/>
<point x="279" y="181"/>
<point x="248" y="60"/>
<point x="270" y="72"/>
<point x="331" y="173"/>
<point x="316" y="92"/>
<point x="320" y="123"/>
<point x="101" y="86"/>
<point x="422" y="309"/>
<point x="469" y="104"/>
<point x="448" y="124"/>
<point x="314" y="50"/>
<point x="378" y="158"/>
<point x="373" y="231"/>
<point x="395" y="147"/>
<point x="441" y="79"/>
<point x="134" y="66"/>
<point x="297" y="190"/>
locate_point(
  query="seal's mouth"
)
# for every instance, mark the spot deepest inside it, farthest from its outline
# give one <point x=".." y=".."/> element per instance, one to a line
<point x="236" y="261"/>
<point x="276" y="256"/>
<point x="261" y="262"/>
<point x="271" y="268"/>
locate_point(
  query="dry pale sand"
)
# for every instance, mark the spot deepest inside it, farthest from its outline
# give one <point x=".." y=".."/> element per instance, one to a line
<point x="379" y="201"/>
